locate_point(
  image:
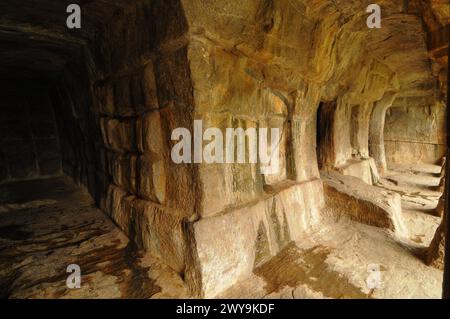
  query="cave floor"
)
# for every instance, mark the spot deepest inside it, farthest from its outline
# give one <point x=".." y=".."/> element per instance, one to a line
<point x="417" y="186"/>
<point x="334" y="261"/>
<point x="48" y="224"/>
<point x="45" y="225"/>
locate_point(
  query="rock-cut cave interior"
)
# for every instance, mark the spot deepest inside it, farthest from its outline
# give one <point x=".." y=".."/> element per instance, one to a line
<point x="356" y="208"/>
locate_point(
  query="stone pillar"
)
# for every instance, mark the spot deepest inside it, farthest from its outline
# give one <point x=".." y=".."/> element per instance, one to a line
<point x="360" y="130"/>
<point x="376" y="130"/>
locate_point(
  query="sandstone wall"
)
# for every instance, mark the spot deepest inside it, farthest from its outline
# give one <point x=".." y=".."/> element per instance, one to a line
<point x="117" y="104"/>
<point x="29" y="146"/>
<point x="271" y="64"/>
<point x="160" y="65"/>
<point x="415" y="133"/>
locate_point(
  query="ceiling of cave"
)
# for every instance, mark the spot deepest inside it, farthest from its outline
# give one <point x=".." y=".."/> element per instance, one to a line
<point x="34" y="40"/>
<point x="35" y="43"/>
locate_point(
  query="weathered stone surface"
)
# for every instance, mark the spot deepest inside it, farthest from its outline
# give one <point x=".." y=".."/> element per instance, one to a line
<point x="355" y="199"/>
<point x="376" y="133"/>
<point x="365" y="170"/>
<point x="150" y="136"/>
<point x="310" y="68"/>
<point x="161" y="233"/>
<point x="111" y="265"/>
<point x="124" y="171"/>
<point x="149" y="87"/>
<point x="152" y="227"/>
<point x="423" y="142"/>
<point x="240" y="184"/>
<point x="119" y="134"/>
<point x="436" y="251"/>
<point x="152" y="178"/>
<point x="159" y="180"/>
<point x="439" y="211"/>
<point x="256" y="231"/>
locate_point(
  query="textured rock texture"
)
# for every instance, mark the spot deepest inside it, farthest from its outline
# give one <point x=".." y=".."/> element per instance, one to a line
<point x="350" y="196"/>
<point x="423" y="142"/>
<point x="348" y="100"/>
<point x="36" y="253"/>
<point x="436" y="251"/>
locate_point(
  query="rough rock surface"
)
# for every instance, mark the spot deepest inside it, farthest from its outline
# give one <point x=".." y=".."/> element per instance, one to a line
<point x="137" y="70"/>
<point x="334" y="261"/>
<point x="436" y="251"/>
<point x="40" y="235"/>
<point x="347" y="195"/>
<point x="423" y="142"/>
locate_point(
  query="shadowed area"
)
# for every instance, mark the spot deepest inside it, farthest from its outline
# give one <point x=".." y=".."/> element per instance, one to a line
<point x="40" y="235"/>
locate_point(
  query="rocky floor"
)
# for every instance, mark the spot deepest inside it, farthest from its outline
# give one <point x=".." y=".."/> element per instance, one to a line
<point x="417" y="186"/>
<point x="335" y="261"/>
<point x="49" y="224"/>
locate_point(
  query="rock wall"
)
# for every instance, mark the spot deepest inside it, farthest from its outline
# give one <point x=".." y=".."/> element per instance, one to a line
<point x="29" y="146"/>
<point x="117" y="106"/>
<point x="415" y="132"/>
<point x="155" y="66"/>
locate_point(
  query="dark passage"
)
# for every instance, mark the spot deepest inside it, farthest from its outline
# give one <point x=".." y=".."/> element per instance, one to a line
<point x="46" y="225"/>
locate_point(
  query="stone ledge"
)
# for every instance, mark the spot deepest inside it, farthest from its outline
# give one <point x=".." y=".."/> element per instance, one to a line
<point x="368" y="204"/>
<point x="232" y="244"/>
<point x="365" y="169"/>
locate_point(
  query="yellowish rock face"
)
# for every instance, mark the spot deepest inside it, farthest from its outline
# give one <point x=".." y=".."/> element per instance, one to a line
<point x="357" y="92"/>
